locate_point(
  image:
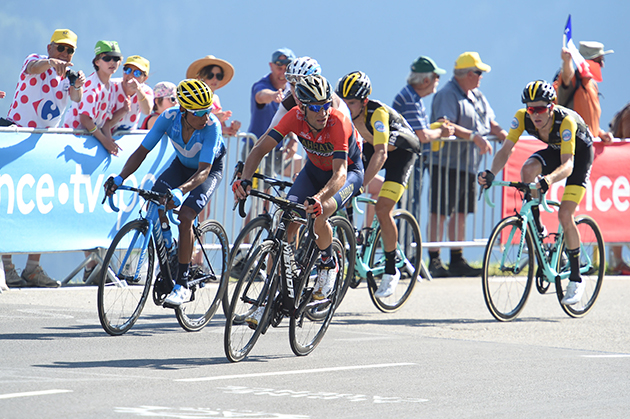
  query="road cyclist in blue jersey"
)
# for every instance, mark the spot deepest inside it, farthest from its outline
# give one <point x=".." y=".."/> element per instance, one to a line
<point x="195" y="134"/>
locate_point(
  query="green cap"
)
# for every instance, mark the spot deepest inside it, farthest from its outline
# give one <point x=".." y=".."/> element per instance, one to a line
<point x="109" y="47"/>
<point x="426" y="65"/>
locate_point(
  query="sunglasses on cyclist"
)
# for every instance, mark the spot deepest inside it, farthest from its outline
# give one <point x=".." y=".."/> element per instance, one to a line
<point x="537" y="109"/>
<point x="218" y="75"/>
<point x="62" y="48"/>
<point x="136" y="72"/>
<point x="108" y="58"/>
<point x="200" y="113"/>
<point x="317" y="108"/>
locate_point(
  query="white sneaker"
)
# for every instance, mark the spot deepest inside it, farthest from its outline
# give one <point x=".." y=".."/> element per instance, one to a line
<point x="178" y="296"/>
<point x="388" y="285"/>
<point x="574" y="293"/>
<point x="325" y="281"/>
<point x="253" y="319"/>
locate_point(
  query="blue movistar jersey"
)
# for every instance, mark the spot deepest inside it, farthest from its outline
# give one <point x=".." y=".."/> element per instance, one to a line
<point x="204" y="145"/>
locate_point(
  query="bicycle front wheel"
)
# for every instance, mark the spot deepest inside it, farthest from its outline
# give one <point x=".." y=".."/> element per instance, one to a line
<point x="248" y="239"/>
<point x="252" y="299"/>
<point x="125" y="278"/>
<point x="592" y="266"/>
<point x="207" y="276"/>
<point x="344" y="232"/>
<point x="408" y="260"/>
<point x="506" y="276"/>
<point x="312" y="317"/>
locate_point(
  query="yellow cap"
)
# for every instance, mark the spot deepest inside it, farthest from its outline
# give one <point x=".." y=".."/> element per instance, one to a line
<point x="64" y="36"/>
<point x="140" y="62"/>
<point x="471" y="60"/>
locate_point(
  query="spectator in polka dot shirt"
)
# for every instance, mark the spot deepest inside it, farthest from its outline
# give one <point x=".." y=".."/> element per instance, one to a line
<point x="43" y="90"/>
<point x="41" y="97"/>
<point x="135" y="92"/>
<point x="95" y="112"/>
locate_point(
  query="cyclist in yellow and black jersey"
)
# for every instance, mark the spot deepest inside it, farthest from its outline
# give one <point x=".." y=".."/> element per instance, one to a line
<point x="569" y="155"/>
<point x="390" y="144"/>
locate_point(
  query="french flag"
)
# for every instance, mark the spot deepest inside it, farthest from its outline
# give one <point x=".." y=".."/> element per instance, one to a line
<point x="580" y="62"/>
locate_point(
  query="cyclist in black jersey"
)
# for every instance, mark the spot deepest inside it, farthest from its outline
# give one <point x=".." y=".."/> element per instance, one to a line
<point x="569" y="155"/>
<point x="390" y="144"/>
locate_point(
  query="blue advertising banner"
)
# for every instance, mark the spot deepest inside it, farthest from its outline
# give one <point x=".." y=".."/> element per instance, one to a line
<point x="51" y="188"/>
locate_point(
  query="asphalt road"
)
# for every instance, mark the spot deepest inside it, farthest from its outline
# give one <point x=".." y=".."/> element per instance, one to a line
<point x="440" y="356"/>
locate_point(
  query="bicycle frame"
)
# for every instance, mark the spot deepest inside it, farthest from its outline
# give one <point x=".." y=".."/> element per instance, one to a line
<point x="153" y="226"/>
<point x="362" y="267"/>
<point x="528" y="223"/>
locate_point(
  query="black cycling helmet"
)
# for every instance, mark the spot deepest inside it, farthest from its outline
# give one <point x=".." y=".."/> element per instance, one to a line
<point x="538" y="90"/>
<point x="313" y="88"/>
<point x="355" y="85"/>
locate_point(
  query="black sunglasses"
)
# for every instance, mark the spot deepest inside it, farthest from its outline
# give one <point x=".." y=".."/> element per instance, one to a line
<point x="108" y="58"/>
<point x="62" y="48"/>
<point x="211" y="76"/>
<point x="478" y="72"/>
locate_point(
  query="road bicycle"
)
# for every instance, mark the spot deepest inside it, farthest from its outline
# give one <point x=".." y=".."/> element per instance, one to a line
<point x="253" y="233"/>
<point x="125" y="281"/>
<point x="514" y="248"/>
<point x="277" y="281"/>
<point x="369" y="256"/>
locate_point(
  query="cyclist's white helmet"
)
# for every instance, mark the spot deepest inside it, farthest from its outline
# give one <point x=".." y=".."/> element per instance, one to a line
<point x="301" y="67"/>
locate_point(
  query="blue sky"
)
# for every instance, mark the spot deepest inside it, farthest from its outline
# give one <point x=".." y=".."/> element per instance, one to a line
<point x="520" y="40"/>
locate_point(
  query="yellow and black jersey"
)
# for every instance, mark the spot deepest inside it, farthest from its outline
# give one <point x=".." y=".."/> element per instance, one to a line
<point x="568" y="132"/>
<point x="388" y="127"/>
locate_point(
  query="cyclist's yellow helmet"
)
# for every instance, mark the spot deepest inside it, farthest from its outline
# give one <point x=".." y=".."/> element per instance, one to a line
<point x="194" y="95"/>
<point x="538" y="90"/>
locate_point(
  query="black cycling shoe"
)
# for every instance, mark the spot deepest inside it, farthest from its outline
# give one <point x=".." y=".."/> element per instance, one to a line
<point x="461" y="268"/>
<point x="437" y="269"/>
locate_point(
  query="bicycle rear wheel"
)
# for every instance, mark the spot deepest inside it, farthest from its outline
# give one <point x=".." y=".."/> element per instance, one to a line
<point x="208" y="276"/>
<point x="254" y="289"/>
<point x="344" y="232"/>
<point x="408" y="260"/>
<point x="507" y="278"/>
<point x="125" y="278"/>
<point x="592" y="266"/>
<point x="248" y="239"/>
<point x="309" y="323"/>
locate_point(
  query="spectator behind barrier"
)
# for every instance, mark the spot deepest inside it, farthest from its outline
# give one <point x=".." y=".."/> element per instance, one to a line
<point x="164" y="97"/>
<point x="461" y="102"/>
<point x="135" y="94"/>
<point x="216" y="73"/>
<point x="41" y="96"/>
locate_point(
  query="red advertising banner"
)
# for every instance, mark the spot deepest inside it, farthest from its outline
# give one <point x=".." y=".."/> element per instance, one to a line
<point x="607" y="197"/>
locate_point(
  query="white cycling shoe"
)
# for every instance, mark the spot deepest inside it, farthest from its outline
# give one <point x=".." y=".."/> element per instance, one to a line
<point x="388" y="285"/>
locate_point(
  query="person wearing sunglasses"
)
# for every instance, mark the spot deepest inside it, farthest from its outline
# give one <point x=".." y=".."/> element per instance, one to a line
<point x="42" y="94"/>
<point x="95" y="112"/>
<point x="165" y="97"/>
<point x="266" y="95"/>
<point x="136" y="93"/>
<point x="569" y="155"/>
<point x="332" y="174"/>
<point x="390" y="144"/>
<point x="43" y="90"/>
<point x="216" y="73"/>
<point x="453" y="169"/>
<point x="195" y="133"/>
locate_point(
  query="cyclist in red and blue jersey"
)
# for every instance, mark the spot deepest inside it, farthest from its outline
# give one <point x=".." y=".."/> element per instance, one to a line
<point x="332" y="174"/>
<point x="195" y="133"/>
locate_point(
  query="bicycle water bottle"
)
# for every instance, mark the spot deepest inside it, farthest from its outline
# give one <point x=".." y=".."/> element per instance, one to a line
<point x="168" y="239"/>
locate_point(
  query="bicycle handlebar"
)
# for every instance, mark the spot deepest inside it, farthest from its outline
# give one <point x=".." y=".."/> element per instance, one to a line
<point x="521" y="186"/>
<point x="283" y="203"/>
<point x="147" y="195"/>
<point x="273" y="182"/>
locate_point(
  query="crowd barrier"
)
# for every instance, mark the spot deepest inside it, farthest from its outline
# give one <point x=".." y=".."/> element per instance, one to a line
<point x="51" y="190"/>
